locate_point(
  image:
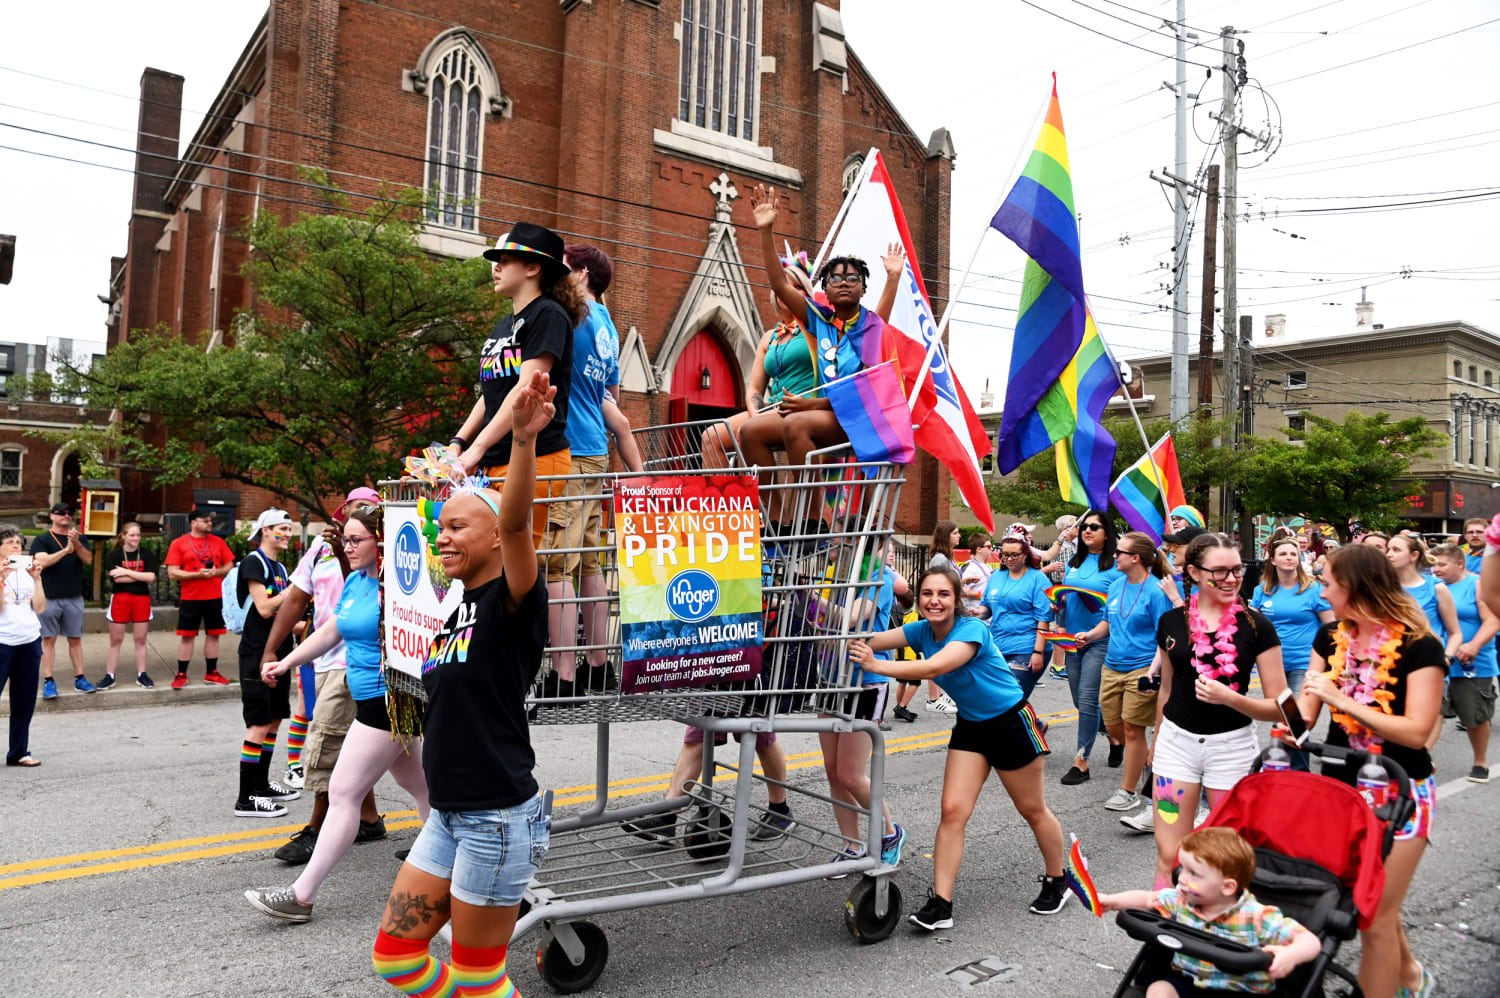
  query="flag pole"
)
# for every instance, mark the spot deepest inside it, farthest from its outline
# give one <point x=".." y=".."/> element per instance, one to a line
<point x="838" y="220"/>
<point x="955" y="290"/>
<point x="830" y="384"/>
<point x="1161" y="486"/>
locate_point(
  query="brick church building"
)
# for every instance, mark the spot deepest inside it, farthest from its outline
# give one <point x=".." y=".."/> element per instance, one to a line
<point x="637" y="125"/>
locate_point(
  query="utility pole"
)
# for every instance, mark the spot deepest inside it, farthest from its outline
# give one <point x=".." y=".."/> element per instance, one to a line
<point x="1247" y="407"/>
<point x="1179" y="383"/>
<point x="1206" y="326"/>
<point x="1229" y="125"/>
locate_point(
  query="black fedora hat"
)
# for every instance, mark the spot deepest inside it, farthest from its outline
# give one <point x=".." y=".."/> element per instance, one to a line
<point x="530" y="239"/>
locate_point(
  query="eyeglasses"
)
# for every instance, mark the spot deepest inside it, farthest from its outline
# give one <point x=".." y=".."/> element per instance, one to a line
<point x="833" y="279"/>
<point x="1092" y="526"/>
<point x="354" y="542"/>
<point x="1220" y="574"/>
<point x="1012" y="555"/>
<point x="986" y="544"/>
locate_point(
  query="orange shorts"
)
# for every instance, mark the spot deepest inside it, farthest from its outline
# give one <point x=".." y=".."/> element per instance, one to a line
<point x="556" y="463"/>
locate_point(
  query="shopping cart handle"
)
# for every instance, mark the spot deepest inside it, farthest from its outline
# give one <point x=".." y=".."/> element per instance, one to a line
<point x="1226" y="954"/>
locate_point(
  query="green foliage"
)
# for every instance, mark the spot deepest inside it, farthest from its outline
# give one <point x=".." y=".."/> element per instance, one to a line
<point x="1334" y="471"/>
<point x="361" y="346"/>
<point x="968" y="536"/>
<point x="1031" y="491"/>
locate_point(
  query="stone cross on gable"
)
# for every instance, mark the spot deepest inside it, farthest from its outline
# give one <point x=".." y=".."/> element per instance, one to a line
<point x="723" y="188"/>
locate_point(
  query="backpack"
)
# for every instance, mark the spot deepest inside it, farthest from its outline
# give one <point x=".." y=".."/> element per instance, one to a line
<point x="234" y="611"/>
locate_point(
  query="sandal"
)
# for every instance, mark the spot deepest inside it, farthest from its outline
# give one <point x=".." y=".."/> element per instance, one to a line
<point x="28" y="760"/>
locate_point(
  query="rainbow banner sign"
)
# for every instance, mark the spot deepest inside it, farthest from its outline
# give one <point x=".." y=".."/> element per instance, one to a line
<point x="690" y="569"/>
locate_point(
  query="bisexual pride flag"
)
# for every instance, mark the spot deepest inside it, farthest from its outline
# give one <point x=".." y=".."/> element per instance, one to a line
<point x="872" y="410"/>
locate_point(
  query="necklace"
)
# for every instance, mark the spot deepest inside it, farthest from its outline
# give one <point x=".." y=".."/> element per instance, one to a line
<point x="1141" y="591"/>
<point x="204" y="554"/>
<point x="1366" y="679"/>
<point x="1223" y="641"/>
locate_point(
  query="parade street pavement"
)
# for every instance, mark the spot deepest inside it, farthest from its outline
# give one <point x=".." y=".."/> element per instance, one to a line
<point x="122" y="869"/>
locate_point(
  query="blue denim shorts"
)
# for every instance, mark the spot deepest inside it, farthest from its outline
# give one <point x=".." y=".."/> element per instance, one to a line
<point x="487" y="856"/>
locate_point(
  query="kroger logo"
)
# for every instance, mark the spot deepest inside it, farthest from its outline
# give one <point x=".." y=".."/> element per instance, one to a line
<point x="692" y="595"/>
<point x="409" y="558"/>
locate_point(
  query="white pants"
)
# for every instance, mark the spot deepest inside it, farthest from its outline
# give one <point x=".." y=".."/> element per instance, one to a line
<point x="1214" y="761"/>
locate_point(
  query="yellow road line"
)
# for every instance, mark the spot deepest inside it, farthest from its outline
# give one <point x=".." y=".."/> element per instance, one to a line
<point x="262" y="839"/>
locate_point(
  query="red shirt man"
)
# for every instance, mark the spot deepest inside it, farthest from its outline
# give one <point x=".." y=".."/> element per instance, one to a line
<point x="198" y="561"/>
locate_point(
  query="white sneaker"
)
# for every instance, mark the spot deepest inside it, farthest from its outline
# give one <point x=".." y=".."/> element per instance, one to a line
<point x="1123" y="800"/>
<point x="296" y="778"/>
<point x="942" y="705"/>
<point x="1201" y="816"/>
<point x="1143" y="820"/>
<point x="275" y="791"/>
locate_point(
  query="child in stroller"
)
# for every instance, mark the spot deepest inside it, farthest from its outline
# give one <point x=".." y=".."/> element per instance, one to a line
<point x="1212" y="893"/>
<point x="1319" y="858"/>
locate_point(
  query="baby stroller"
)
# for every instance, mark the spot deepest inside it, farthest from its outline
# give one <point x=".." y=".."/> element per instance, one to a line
<point x="1319" y="852"/>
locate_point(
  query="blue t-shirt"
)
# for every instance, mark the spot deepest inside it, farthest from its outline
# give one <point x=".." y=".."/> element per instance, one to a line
<point x="359" y="626"/>
<point x="1016" y="607"/>
<point x="1465" y="594"/>
<point x="1425" y="593"/>
<point x="1089" y="575"/>
<point x="884" y="597"/>
<point x="982" y="687"/>
<point x="1132" y="612"/>
<point x="1473" y="562"/>
<point x="1295" y="617"/>
<point x="596" y="365"/>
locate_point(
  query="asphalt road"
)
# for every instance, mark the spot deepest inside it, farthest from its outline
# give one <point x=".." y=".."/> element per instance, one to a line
<point x="122" y="868"/>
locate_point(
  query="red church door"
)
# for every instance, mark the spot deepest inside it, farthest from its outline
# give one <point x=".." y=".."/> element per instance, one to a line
<point x="706" y="381"/>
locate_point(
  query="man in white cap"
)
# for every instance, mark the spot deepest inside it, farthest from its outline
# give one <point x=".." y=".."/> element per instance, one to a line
<point x="261" y="588"/>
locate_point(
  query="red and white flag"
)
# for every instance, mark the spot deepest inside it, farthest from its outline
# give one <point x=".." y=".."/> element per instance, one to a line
<point x="945" y="423"/>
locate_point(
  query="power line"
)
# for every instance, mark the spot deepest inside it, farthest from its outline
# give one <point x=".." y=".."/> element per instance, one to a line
<point x="1381" y="55"/>
<point x="1102" y="34"/>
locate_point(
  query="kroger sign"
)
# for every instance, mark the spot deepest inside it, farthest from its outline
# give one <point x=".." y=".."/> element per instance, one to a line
<point x="692" y="595"/>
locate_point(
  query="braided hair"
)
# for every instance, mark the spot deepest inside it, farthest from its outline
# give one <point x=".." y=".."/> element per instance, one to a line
<point x="851" y="262"/>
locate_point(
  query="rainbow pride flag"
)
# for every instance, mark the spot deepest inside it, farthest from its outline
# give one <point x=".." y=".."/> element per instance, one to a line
<point x="1092" y="599"/>
<point x="1061" y="372"/>
<point x="1079" y="880"/>
<point x="1148" y="488"/>
<point x="872" y="409"/>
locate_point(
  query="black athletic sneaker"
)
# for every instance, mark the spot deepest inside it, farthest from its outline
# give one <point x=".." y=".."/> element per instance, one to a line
<point x="655" y="828"/>
<point x="105" y="683"/>
<point x="1116" y="755"/>
<point x="369" y="831"/>
<point x="144" y="681"/>
<point x="1052" y="898"/>
<point x="936" y="914"/>
<point x="300" y="849"/>
<point x="774" y="825"/>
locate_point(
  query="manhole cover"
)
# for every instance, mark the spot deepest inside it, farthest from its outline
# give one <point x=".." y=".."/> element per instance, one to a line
<point x="985" y="970"/>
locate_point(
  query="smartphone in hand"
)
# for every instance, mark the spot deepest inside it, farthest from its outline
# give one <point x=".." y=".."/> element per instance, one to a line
<point x="1297" y="729"/>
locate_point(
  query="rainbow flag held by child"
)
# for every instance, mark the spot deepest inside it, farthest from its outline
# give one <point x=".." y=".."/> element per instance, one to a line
<point x="1079" y="881"/>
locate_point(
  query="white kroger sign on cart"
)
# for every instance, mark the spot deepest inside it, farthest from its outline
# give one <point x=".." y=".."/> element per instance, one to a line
<point x="418" y="597"/>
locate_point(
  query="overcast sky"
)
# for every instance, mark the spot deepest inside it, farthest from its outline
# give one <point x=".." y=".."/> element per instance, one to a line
<point x="1397" y="127"/>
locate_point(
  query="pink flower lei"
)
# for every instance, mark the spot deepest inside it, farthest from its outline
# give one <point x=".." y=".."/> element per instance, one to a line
<point x="1226" y="656"/>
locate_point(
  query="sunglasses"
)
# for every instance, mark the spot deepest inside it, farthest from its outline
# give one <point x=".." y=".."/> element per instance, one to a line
<point x="1092" y="526"/>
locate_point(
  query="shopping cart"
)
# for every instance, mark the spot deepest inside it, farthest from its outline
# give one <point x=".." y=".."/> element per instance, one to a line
<point x="815" y="587"/>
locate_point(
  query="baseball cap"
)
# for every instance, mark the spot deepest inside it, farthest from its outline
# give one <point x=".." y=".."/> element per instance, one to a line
<point x="272" y="517"/>
<point x="361" y="494"/>
<point x="201" y="513"/>
<point x="1183" y="536"/>
<point x="63" y="508"/>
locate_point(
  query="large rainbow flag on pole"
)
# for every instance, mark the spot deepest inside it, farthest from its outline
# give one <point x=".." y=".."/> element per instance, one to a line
<point x="1061" y="372"/>
<point x="1148" y="488"/>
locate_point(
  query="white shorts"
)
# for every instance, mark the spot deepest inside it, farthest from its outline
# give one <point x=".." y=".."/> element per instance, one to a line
<point x="1214" y="761"/>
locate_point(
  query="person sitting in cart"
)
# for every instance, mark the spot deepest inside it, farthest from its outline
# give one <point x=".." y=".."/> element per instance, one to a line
<point x="996" y="729"/>
<point x="1211" y="895"/>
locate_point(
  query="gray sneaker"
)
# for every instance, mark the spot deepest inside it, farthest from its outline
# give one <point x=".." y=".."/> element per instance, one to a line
<point x="1123" y="800"/>
<point x="1143" y="820"/>
<point x="774" y="826"/>
<point x="282" y="904"/>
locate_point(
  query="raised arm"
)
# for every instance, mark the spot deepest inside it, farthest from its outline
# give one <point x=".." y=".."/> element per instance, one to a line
<point x="533" y="411"/>
<point x="895" y="269"/>
<point x="763" y="206"/>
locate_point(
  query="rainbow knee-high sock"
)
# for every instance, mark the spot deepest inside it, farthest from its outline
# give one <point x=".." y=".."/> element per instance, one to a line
<point x="296" y="735"/>
<point x="409" y="968"/>
<point x="481" y="973"/>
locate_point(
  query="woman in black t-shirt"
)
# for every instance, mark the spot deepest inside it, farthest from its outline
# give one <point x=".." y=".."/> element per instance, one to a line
<point x="1205" y="722"/>
<point x="131" y="570"/>
<point x="1380" y="627"/>
<point x="489" y="827"/>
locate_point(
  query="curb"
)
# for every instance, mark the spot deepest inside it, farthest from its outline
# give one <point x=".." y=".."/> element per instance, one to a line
<point x="124" y="697"/>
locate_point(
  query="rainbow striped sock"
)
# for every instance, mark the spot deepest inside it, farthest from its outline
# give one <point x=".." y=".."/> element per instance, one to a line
<point x="268" y="748"/>
<point x="480" y="972"/>
<point x="296" y="735"/>
<point x="249" y="753"/>
<point x="409" y="968"/>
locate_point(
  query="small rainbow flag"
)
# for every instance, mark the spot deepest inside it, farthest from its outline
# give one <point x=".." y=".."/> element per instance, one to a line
<point x="873" y="412"/>
<point x="1076" y="873"/>
<point x="1063" y="640"/>
<point x="1092" y="599"/>
<point x="1148" y="488"/>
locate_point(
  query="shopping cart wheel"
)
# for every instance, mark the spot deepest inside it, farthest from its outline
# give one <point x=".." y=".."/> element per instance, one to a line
<point x="560" y="973"/>
<point x="859" y="912"/>
<point x="708" y="835"/>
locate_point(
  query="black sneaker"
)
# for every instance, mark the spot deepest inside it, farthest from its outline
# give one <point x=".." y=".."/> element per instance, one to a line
<point x="144" y="681"/>
<point x="105" y="683"/>
<point x="1052" y="898"/>
<point x="653" y="828"/>
<point x="370" y="831"/>
<point x="1075" y="776"/>
<point x="1116" y="755"/>
<point x="401" y="854"/>
<point x="258" y="807"/>
<point x="300" y="849"/>
<point x="936" y="914"/>
<point x="773" y="826"/>
<point x="905" y="714"/>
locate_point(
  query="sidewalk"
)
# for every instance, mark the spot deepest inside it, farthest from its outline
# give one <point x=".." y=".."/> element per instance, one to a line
<point x="161" y="664"/>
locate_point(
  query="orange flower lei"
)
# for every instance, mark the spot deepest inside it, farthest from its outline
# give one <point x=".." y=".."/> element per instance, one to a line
<point x="1367" y="681"/>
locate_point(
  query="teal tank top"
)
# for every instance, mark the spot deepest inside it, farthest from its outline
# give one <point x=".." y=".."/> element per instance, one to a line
<point x="789" y="364"/>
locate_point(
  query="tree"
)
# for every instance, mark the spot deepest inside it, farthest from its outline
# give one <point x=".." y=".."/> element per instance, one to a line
<point x="359" y="347"/>
<point x="1031" y="491"/>
<point x="1339" y="471"/>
